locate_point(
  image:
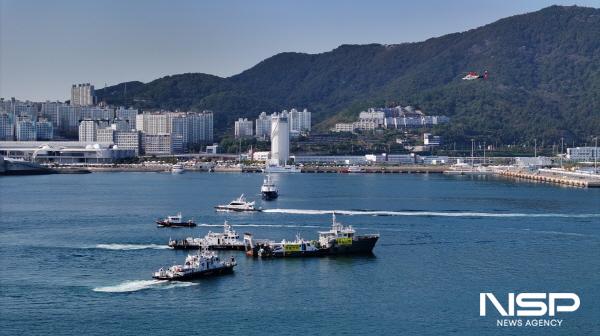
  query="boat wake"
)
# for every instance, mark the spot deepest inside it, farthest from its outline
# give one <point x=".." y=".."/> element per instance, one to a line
<point x="267" y="225"/>
<point x="427" y="213"/>
<point x="129" y="247"/>
<point x="138" y="285"/>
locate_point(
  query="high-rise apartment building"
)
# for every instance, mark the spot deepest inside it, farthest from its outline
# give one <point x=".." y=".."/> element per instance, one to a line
<point x="263" y="126"/>
<point x="87" y="130"/>
<point x="82" y="95"/>
<point x="243" y="128"/>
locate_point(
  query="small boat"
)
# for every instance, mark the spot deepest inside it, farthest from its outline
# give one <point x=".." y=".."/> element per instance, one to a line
<point x="177" y="169"/>
<point x="226" y="240"/>
<point x="355" y="169"/>
<point x="269" y="190"/>
<point x="240" y="204"/>
<point x="175" y="221"/>
<point x="203" y="264"/>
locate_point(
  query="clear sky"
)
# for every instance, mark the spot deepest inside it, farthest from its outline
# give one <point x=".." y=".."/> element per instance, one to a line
<point x="45" y="46"/>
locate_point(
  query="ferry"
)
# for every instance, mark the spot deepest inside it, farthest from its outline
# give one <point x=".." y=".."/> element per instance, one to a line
<point x="177" y="169"/>
<point x="239" y="204"/>
<point x="269" y="190"/>
<point x="338" y="240"/>
<point x="175" y="221"/>
<point x="226" y="240"/>
<point x="203" y="264"/>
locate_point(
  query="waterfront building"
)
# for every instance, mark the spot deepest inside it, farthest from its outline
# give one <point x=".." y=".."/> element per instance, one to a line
<point x="280" y="140"/>
<point x="25" y="129"/>
<point x="263" y="126"/>
<point x="87" y="130"/>
<point x="64" y="152"/>
<point x="44" y="129"/>
<point x="6" y="127"/>
<point x="129" y="115"/>
<point x="243" y="128"/>
<point x="156" y="144"/>
<point x="82" y="94"/>
<point x="583" y="154"/>
<point x="200" y="128"/>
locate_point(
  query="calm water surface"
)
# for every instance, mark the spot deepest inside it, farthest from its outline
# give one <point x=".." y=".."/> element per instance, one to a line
<point x="77" y="253"/>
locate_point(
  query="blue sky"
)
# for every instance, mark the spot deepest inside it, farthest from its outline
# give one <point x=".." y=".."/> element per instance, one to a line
<point x="45" y="46"/>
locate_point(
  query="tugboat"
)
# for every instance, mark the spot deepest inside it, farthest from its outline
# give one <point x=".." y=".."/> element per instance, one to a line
<point x="339" y="240"/>
<point x="175" y="221"/>
<point x="205" y="263"/>
<point x="240" y="204"/>
<point x="269" y="190"/>
<point x="227" y="240"/>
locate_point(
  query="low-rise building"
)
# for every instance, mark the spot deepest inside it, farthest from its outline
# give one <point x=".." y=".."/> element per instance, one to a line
<point x="156" y="144"/>
<point x="583" y="154"/>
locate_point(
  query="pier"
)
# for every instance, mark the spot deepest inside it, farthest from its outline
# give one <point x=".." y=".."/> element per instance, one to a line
<point x="554" y="177"/>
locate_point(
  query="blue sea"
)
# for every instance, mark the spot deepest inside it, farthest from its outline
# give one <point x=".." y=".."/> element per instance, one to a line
<point x="77" y="253"/>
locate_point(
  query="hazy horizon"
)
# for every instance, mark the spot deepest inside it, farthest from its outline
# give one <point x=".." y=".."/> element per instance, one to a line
<point x="45" y="47"/>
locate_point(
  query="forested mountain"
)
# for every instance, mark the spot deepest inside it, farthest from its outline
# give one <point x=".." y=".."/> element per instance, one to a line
<point x="544" y="80"/>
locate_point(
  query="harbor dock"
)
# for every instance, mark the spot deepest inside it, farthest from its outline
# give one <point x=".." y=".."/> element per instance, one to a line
<point x="554" y="177"/>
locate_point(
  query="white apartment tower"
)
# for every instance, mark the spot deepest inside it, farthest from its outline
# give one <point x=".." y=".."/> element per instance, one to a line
<point x="263" y="126"/>
<point x="82" y="94"/>
<point x="243" y="128"/>
<point x="87" y="131"/>
<point x="280" y="140"/>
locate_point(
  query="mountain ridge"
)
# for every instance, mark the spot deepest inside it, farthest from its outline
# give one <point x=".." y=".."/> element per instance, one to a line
<point x="544" y="80"/>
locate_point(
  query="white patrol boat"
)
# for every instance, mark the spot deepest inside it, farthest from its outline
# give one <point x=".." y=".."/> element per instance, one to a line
<point x="177" y="168"/>
<point x="240" y="204"/>
<point x="226" y="240"/>
<point x="205" y="263"/>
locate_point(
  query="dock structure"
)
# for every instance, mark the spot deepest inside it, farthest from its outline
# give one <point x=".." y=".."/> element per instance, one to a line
<point x="406" y="169"/>
<point x="554" y="178"/>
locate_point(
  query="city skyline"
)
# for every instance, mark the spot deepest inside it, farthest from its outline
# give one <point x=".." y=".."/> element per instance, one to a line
<point x="177" y="38"/>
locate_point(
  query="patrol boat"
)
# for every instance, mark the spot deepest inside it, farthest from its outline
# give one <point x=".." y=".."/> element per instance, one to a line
<point x="269" y="190"/>
<point x="239" y="204"/>
<point x="175" y="221"/>
<point x="338" y="240"/>
<point x="226" y="240"/>
<point x="342" y="239"/>
<point x="203" y="264"/>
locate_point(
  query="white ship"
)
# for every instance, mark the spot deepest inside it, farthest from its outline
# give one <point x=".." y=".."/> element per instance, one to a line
<point x="281" y="169"/>
<point x="205" y="263"/>
<point x="177" y="168"/>
<point x="226" y="240"/>
<point x="240" y="204"/>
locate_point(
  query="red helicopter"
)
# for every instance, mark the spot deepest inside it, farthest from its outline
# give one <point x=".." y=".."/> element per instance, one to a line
<point x="474" y="75"/>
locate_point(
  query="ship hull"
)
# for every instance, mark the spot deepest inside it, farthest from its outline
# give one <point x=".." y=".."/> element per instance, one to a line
<point x="361" y="245"/>
<point x="222" y="208"/>
<point x="199" y="274"/>
<point x="166" y="224"/>
<point x="269" y="195"/>
<point x="211" y="247"/>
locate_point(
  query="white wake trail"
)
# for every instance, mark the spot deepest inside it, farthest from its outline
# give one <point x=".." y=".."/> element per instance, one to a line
<point x="129" y="247"/>
<point x="138" y="285"/>
<point x="427" y="213"/>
